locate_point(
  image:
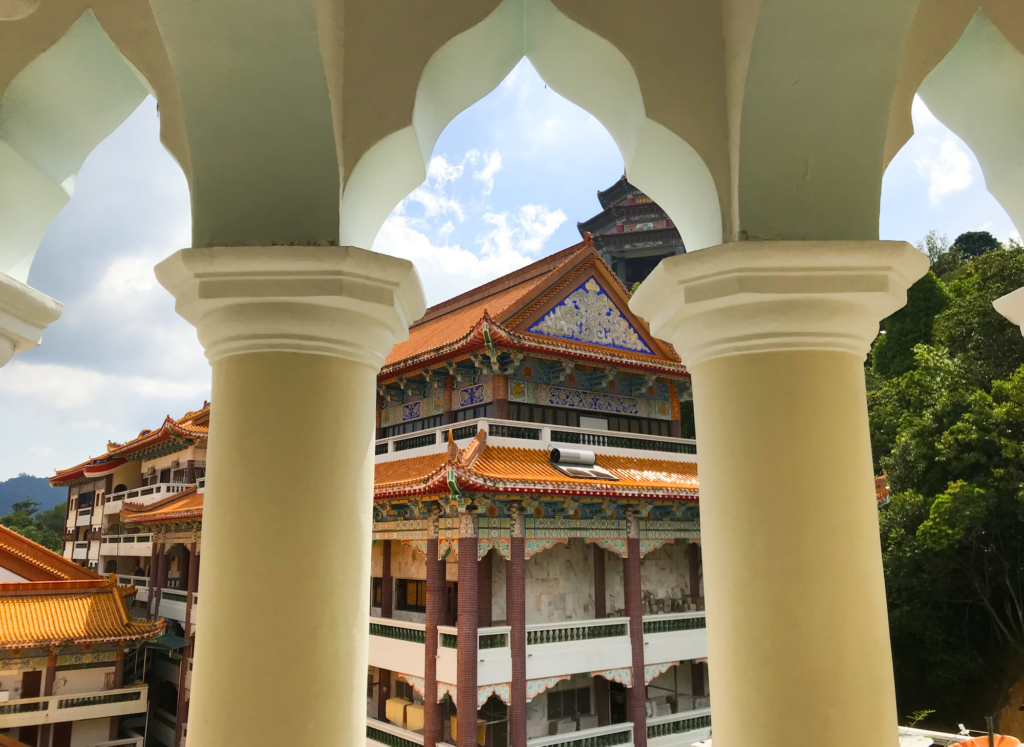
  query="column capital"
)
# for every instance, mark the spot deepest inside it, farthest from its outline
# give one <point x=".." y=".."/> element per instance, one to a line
<point x="766" y="296"/>
<point x="340" y="301"/>
<point x="24" y="314"/>
<point x="1012" y="307"/>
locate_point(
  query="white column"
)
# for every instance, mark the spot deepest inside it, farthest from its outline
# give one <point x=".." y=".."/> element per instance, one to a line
<point x="774" y="335"/>
<point x="24" y="314"/>
<point x="1012" y="307"/>
<point x="295" y="336"/>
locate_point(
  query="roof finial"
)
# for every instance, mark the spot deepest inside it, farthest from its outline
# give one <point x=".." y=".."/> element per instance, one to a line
<point x="453" y="449"/>
<point x="588" y="239"/>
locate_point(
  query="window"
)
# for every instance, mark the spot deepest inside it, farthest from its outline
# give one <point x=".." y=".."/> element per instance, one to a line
<point x="404" y="690"/>
<point x="376" y="592"/>
<point x="568" y="703"/>
<point x="472" y="413"/>
<point x="411" y="596"/>
<point x="573" y="419"/>
<point x="413" y="426"/>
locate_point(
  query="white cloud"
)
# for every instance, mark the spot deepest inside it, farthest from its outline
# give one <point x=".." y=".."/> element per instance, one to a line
<point x="528" y="230"/>
<point x="75" y="387"/>
<point x="492" y="165"/>
<point x="440" y="171"/>
<point x="947" y="169"/>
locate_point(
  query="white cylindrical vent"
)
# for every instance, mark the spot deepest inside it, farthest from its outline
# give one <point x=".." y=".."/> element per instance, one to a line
<point x="573" y="456"/>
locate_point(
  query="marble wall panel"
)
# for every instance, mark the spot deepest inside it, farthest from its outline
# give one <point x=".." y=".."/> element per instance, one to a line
<point x="664" y="577"/>
<point x="560" y="584"/>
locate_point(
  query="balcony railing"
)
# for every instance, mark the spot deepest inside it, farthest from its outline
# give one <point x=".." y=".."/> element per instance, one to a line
<point x="602" y="736"/>
<point x="539" y="436"/>
<point x="584" y="630"/>
<point x="674" y="622"/>
<point x="79" y="706"/>
<point x="147" y="494"/>
<point x="389" y="735"/>
<point x="410" y="632"/>
<point x="678" y="723"/>
<point x="139" y="582"/>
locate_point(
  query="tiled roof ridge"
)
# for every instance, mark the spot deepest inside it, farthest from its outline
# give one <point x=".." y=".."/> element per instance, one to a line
<point x="39" y="556"/>
<point x="169" y="426"/>
<point x="9" y="588"/>
<point x="532" y="271"/>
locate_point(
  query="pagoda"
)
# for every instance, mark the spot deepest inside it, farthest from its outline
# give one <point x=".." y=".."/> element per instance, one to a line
<point x="632" y="233"/>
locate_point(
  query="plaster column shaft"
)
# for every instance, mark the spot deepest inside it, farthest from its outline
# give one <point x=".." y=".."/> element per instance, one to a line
<point x="636" y="703"/>
<point x="774" y="336"/>
<point x="295" y="336"/>
<point x="469" y="605"/>
<point x="387" y="584"/>
<point x="432" y="722"/>
<point x="515" y="611"/>
<point x="601" y="690"/>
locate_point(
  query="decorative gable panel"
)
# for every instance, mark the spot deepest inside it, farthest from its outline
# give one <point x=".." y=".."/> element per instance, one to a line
<point x="589" y="315"/>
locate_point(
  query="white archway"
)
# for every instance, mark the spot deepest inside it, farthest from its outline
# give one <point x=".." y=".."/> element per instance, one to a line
<point x="579" y="65"/>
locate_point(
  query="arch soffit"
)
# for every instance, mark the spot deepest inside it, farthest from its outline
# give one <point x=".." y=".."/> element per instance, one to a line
<point x="53" y="112"/>
<point x="816" y="97"/>
<point x="575" y="62"/>
<point x="977" y="91"/>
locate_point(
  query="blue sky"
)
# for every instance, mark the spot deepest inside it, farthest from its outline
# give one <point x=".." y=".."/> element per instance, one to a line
<point x="508" y="181"/>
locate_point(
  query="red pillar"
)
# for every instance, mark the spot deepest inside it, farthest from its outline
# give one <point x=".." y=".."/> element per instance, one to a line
<point x="383" y="694"/>
<point x="484" y="585"/>
<point x="115" y="721"/>
<point x="515" y="607"/>
<point x="675" y="425"/>
<point x="48" y="679"/>
<point x="602" y="693"/>
<point x="449" y="388"/>
<point x="499" y="395"/>
<point x="636" y="707"/>
<point x="386" y="584"/>
<point x="693" y="555"/>
<point x="433" y="728"/>
<point x="697" y="679"/>
<point x="469" y="605"/>
<point x="191" y="584"/>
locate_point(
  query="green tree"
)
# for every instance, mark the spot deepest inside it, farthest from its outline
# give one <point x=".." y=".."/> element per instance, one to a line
<point x="975" y="243"/>
<point x="893" y="351"/>
<point x="969" y="327"/>
<point x="44" y="528"/>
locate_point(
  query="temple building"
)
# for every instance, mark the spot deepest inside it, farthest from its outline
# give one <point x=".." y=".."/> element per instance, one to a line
<point x="536" y="559"/>
<point x="118" y="521"/>
<point x="632" y="233"/>
<point x="536" y="525"/>
<point x="69" y="664"/>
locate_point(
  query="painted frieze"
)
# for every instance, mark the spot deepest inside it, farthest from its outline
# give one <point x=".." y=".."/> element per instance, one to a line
<point x="589" y="315"/>
<point x="580" y="399"/>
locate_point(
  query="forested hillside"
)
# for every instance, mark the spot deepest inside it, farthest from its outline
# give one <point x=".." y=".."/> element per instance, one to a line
<point x="946" y="403"/>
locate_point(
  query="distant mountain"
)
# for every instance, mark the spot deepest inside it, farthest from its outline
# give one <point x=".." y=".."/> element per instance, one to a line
<point x="18" y="487"/>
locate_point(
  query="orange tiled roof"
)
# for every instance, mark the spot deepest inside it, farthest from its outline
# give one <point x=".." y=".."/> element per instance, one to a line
<point x="403" y="472"/>
<point x="191" y="427"/>
<point x="188" y="504"/>
<point x="480" y="467"/>
<point x="68" y="612"/>
<point x="524" y="466"/>
<point x="34" y="562"/>
<point x="448" y="321"/>
<point x="882" y="489"/>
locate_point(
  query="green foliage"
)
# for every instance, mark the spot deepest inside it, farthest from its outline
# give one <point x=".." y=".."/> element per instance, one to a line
<point x="893" y="351"/>
<point x="44" y="527"/>
<point x="633" y="288"/>
<point x="969" y="327"/>
<point x="975" y="243"/>
<point x="949" y="430"/>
